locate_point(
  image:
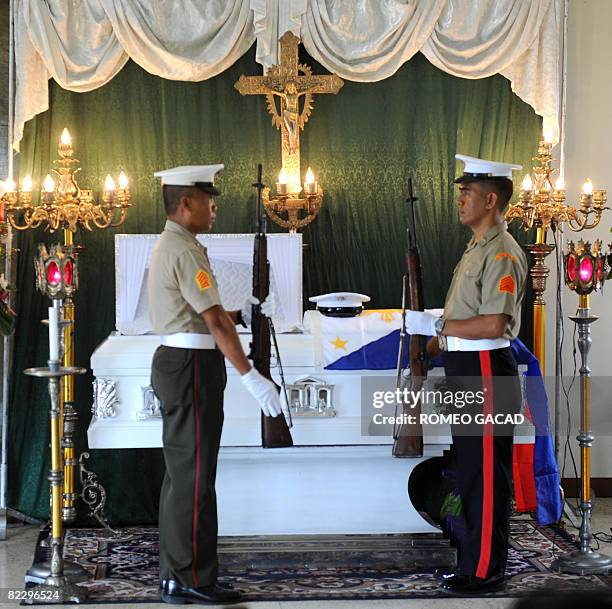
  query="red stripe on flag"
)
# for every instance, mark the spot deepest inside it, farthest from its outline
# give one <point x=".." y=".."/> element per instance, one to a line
<point x="486" y="532"/>
<point x="524" y="482"/>
<point x="522" y="473"/>
<point x="196" y="487"/>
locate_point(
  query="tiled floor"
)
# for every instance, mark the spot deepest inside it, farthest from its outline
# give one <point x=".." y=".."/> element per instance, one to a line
<point x="16" y="557"/>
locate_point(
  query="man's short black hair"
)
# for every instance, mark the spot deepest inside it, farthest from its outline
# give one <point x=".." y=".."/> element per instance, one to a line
<point x="172" y="197"/>
<point x="502" y="187"/>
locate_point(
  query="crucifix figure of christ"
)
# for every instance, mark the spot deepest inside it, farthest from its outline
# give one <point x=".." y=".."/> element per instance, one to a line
<point x="289" y="80"/>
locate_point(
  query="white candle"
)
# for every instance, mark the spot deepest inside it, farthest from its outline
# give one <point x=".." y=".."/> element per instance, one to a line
<point x="310" y="186"/>
<point x="54" y="334"/>
<point x="281" y="185"/>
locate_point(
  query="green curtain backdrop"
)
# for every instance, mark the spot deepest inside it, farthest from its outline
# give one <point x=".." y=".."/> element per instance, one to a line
<point x="362" y="144"/>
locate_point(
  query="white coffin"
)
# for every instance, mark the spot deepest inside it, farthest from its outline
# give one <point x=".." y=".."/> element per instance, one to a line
<point x="125" y="361"/>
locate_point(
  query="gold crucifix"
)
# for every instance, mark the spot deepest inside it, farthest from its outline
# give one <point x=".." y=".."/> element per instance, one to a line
<point x="289" y="80"/>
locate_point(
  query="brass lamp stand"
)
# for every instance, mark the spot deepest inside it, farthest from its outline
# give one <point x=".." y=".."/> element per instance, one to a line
<point x="585" y="272"/>
<point x="55" y="277"/>
<point x="539" y="273"/>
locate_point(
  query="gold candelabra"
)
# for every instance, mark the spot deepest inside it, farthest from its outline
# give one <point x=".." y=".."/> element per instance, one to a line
<point x="62" y="203"/>
<point x="542" y="205"/>
<point x="292" y="199"/>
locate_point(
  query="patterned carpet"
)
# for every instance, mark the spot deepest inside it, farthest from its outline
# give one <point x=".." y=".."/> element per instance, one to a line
<point x="125" y="569"/>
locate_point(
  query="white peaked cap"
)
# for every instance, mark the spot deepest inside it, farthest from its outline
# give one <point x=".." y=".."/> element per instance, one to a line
<point x="202" y="176"/>
<point x="340" y="299"/>
<point x="481" y="169"/>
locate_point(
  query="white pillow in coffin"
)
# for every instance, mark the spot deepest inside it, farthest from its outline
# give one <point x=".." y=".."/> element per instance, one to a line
<point x="235" y="286"/>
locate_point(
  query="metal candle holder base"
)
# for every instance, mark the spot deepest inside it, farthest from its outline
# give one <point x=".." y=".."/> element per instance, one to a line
<point x="56" y="589"/>
<point x="584" y="561"/>
<point x="40" y="571"/>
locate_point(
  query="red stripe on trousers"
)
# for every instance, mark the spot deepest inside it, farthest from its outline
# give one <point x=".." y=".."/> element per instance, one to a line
<point x="196" y="488"/>
<point x="486" y="532"/>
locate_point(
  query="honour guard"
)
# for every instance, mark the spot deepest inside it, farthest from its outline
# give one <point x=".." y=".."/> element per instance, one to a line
<point x="482" y="314"/>
<point x="188" y="375"/>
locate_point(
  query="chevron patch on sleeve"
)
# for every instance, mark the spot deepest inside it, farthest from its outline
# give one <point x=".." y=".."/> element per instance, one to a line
<point x="507" y="284"/>
<point x="202" y="279"/>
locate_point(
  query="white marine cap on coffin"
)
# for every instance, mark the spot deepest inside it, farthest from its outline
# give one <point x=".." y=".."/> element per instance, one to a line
<point x="482" y="169"/>
<point x="201" y="176"/>
<point x="349" y="300"/>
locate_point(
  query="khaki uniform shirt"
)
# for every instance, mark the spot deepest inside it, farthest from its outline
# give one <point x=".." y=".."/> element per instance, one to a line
<point x="181" y="283"/>
<point x="489" y="279"/>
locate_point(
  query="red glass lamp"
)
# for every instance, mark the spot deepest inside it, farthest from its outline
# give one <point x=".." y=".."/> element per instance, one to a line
<point x="585" y="267"/>
<point x="56" y="271"/>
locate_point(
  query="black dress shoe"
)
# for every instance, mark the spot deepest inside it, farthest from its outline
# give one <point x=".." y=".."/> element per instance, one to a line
<point x="444" y="573"/>
<point x="172" y="592"/>
<point x="470" y="584"/>
<point x="225" y="585"/>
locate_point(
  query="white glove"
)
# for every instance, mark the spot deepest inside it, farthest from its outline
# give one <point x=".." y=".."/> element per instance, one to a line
<point x="268" y="308"/>
<point x="421" y="322"/>
<point x="247" y="309"/>
<point x="264" y="391"/>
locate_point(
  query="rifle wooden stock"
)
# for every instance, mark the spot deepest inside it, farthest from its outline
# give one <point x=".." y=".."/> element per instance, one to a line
<point x="408" y="439"/>
<point x="274" y="430"/>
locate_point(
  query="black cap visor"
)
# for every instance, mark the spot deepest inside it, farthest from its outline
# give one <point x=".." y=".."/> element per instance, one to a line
<point x="340" y="311"/>
<point x="207" y="187"/>
<point x="479" y="177"/>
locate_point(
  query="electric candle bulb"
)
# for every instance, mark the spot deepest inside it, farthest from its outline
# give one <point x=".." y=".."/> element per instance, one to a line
<point x="27" y="184"/>
<point x="281" y="185"/>
<point x="560" y="183"/>
<point x="48" y="184"/>
<point x="310" y="186"/>
<point x="527" y="183"/>
<point x="587" y="187"/>
<point x="10" y="185"/>
<point x="66" y="139"/>
<point x="109" y="183"/>
<point x="123" y="180"/>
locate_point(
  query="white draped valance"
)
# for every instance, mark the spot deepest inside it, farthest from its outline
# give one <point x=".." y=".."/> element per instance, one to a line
<point x="84" y="44"/>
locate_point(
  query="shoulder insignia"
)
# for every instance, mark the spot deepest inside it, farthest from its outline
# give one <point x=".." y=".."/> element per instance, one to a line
<point x="506" y="284"/>
<point x="202" y="280"/>
<point x="505" y="255"/>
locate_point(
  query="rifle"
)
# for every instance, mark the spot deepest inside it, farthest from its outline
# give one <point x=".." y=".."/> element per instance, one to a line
<point x="408" y="438"/>
<point x="274" y="430"/>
